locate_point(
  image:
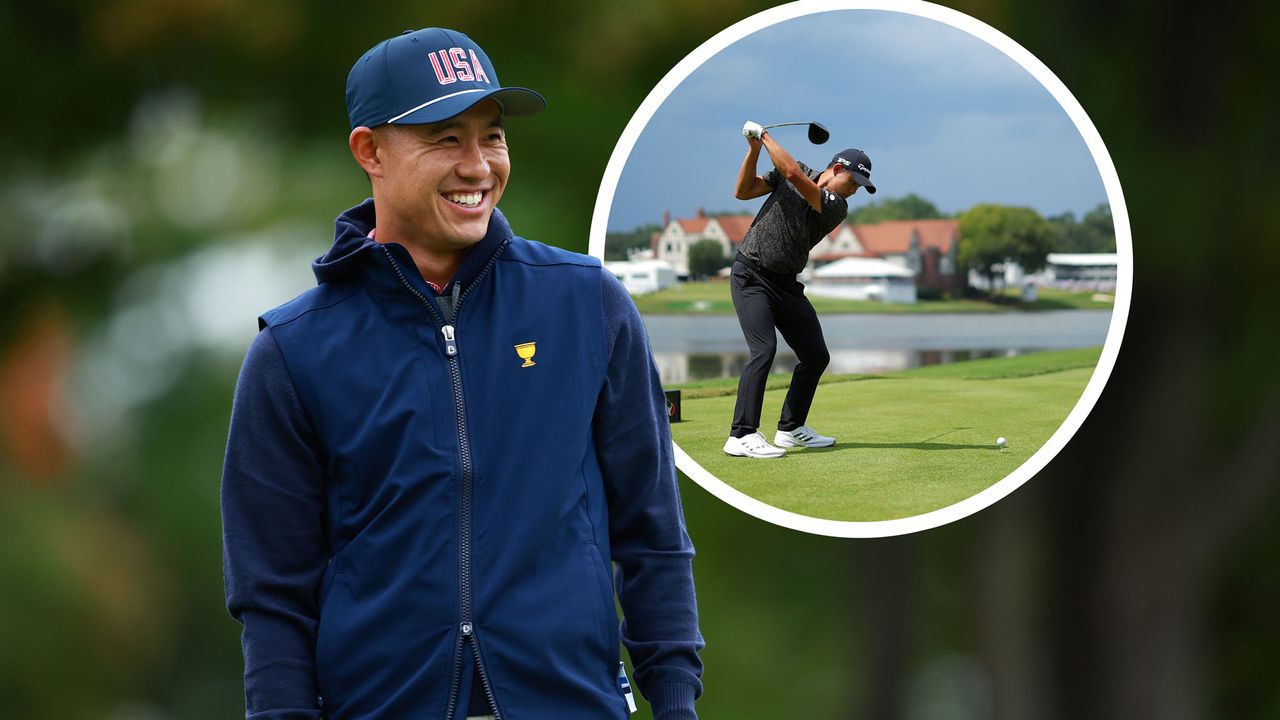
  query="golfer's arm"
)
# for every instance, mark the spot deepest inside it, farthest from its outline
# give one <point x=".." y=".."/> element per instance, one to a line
<point x="790" y="170"/>
<point x="274" y="549"/>
<point x="750" y="185"/>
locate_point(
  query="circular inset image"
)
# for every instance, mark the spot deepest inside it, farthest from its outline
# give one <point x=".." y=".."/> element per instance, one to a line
<point x="883" y="258"/>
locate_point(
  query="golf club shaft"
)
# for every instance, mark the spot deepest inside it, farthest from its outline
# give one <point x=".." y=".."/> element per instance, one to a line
<point x="817" y="133"/>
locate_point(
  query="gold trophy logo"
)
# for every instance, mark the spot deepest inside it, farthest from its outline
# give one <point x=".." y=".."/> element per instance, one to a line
<point x="526" y="351"/>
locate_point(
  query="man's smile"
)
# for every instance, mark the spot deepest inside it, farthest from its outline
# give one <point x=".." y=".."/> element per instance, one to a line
<point x="468" y="200"/>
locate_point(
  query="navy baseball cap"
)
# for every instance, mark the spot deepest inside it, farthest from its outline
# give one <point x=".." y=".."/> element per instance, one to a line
<point x="858" y="165"/>
<point x="425" y="76"/>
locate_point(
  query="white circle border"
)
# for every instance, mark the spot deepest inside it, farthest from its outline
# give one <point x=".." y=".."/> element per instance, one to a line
<point x="1119" y="215"/>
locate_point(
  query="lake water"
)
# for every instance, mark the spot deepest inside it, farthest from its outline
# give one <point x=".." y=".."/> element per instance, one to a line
<point x="688" y="347"/>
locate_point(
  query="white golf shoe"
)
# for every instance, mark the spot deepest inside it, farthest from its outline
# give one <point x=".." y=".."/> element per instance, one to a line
<point x="803" y="436"/>
<point x="753" y="445"/>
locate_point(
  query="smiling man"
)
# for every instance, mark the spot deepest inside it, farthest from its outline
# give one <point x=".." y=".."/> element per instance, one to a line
<point x="438" y="454"/>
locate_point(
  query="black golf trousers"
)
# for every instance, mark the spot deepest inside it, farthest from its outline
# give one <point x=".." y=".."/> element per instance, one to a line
<point x="763" y="301"/>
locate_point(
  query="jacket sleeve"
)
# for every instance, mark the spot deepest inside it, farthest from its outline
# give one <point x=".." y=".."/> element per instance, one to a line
<point x="654" y="577"/>
<point x="274" y="547"/>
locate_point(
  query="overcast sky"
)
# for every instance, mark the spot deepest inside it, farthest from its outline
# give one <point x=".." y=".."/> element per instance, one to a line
<point x="941" y="114"/>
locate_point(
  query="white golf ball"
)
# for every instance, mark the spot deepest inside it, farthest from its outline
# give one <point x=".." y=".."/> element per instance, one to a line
<point x="1001" y="441"/>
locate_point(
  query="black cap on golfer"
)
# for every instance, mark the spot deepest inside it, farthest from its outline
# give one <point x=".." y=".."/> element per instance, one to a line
<point x="425" y="76"/>
<point x="858" y="165"/>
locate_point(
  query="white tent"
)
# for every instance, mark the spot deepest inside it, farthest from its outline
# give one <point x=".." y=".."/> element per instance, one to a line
<point x="1073" y="271"/>
<point x="1096" y="267"/>
<point x="643" y="276"/>
<point x="858" y="278"/>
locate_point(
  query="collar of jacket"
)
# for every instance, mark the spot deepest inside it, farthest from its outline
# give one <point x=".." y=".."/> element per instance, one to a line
<point x="354" y="251"/>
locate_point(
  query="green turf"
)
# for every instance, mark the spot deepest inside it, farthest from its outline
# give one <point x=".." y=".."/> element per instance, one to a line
<point x="712" y="298"/>
<point x="907" y="442"/>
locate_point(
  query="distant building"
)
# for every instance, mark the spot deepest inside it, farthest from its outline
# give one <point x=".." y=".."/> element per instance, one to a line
<point x="928" y="248"/>
<point x="839" y="243"/>
<point x="1068" y="271"/>
<point x="1097" y="269"/>
<point x="677" y="236"/>
<point x="643" y="253"/>
<point x="643" y="276"/>
<point x="863" y="278"/>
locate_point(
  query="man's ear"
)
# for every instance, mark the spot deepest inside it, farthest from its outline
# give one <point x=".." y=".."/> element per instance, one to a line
<point x="364" y="144"/>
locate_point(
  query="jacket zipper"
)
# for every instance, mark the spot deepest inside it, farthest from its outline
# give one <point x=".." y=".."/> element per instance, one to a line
<point x="466" y="628"/>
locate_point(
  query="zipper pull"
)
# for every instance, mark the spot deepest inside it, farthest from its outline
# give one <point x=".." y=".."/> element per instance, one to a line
<point x="624" y="687"/>
<point x="450" y="346"/>
<point x="466" y="629"/>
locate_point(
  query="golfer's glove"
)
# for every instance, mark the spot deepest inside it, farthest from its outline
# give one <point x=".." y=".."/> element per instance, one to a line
<point x="752" y="130"/>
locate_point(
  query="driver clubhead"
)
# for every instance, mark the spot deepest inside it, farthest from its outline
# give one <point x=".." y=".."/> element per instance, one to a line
<point x="818" y="134"/>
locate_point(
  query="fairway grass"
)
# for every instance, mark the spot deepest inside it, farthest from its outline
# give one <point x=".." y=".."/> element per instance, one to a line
<point x="907" y="442"/>
<point x="712" y="298"/>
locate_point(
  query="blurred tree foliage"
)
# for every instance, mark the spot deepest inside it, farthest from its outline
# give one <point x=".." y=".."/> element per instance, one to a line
<point x="1133" y="577"/>
<point x="706" y="257"/>
<point x="907" y="207"/>
<point x="618" y="244"/>
<point x="991" y="235"/>
<point x="1093" y="233"/>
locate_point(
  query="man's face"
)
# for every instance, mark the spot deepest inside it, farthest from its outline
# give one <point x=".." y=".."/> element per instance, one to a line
<point x="442" y="181"/>
<point x="839" y="181"/>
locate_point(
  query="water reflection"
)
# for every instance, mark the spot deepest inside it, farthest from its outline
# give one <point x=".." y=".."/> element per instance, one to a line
<point x="680" y="367"/>
<point x="689" y="348"/>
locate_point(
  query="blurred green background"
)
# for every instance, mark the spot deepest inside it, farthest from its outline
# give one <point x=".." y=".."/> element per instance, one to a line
<point x="165" y="162"/>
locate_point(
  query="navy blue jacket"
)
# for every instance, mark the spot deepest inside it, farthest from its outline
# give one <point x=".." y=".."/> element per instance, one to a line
<point x="409" y="502"/>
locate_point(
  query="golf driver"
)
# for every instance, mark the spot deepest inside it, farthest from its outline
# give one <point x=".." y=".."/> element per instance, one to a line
<point x="817" y="133"/>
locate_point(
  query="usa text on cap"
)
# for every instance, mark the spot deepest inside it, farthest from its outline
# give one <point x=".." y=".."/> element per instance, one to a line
<point x="425" y="76"/>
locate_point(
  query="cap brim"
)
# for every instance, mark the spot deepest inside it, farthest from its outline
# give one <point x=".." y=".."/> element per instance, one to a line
<point x="864" y="182"/>
<point x="513" y="100"/>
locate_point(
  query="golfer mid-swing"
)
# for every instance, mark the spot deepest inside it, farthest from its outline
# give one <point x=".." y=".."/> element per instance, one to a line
<point x="803" y="206"/>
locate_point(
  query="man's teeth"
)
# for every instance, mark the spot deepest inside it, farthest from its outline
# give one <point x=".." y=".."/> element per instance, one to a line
<point x="465" y="199"/>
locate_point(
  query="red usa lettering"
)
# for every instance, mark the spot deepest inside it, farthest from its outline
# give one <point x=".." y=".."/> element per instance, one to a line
<point x="442" y="68"/>
<point x="478" y="67"/>
<point x="459" y="57"/>
<point x="452" y="65"/>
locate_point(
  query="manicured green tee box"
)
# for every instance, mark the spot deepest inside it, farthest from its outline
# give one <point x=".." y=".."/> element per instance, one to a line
<point x="908" y="442"/>
<point x="712" y="298"/>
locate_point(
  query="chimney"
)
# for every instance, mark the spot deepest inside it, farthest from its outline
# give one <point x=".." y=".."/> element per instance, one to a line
<point x="666" y="218"/>
<point x="702" y="212"/>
